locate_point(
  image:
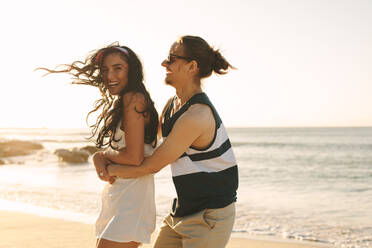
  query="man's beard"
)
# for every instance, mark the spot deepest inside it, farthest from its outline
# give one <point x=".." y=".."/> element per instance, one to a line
<point x="167" y="82"/>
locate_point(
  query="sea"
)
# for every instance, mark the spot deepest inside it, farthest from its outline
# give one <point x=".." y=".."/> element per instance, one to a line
<point x="300" y="184"/>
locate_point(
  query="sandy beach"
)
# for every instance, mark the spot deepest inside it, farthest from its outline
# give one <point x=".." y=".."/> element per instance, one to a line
<point x="20" y="230"/>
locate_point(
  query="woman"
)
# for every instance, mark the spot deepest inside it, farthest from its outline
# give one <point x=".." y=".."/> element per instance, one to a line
<point x="128" y="124"/>
<point x="196" y="144"/>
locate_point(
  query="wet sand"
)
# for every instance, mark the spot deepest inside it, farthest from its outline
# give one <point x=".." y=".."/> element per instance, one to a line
<point x="20" y="230"/>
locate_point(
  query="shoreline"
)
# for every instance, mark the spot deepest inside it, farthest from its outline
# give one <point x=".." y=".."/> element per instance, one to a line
<point x="30" y="230"/>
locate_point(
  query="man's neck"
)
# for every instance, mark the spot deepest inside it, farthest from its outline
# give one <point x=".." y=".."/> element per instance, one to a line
<point x="185" y="93"/>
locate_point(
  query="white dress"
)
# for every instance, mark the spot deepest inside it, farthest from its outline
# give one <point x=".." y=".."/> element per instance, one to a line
<point x="128" y="206"/>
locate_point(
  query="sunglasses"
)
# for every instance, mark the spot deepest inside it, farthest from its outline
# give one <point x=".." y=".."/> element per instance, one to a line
<point x="171" y="58"/>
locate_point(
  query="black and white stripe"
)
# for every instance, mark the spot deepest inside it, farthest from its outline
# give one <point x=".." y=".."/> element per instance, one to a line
<point x="204" y="178"/>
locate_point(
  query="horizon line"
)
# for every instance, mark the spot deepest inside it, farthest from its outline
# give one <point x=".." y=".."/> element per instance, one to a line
<point x="228" y="127"/>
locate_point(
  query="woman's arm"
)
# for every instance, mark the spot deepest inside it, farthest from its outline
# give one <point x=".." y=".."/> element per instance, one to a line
<point x="133" y="123"/>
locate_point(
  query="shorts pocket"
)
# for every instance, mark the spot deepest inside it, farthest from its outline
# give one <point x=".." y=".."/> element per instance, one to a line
<point x="209" y="218"/>
<point x="214" y="216"/>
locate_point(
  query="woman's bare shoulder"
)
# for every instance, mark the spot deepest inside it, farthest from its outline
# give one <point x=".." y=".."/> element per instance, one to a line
<point x="134" y="99"/>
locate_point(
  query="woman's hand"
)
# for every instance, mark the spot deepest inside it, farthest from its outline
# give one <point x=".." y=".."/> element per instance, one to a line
<point x="100" y="163"/>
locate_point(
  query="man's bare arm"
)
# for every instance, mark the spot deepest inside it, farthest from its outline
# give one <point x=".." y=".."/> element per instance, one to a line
<point x="191" y="125"/>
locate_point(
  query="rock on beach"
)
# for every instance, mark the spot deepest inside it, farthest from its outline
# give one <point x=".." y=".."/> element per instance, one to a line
<point x="75" y="155"/>
<point x="18" y="148"/>
<point x="90" y="149"/>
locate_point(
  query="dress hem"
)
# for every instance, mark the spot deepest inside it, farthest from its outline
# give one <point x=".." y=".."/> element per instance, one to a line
<point x="148" y="241"/>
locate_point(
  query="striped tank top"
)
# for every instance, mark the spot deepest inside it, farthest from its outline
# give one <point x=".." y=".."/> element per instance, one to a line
<point x="203" y="178"/>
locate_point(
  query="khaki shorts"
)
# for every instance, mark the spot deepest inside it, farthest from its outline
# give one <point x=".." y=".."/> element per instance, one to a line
<point x="206" y="229"/>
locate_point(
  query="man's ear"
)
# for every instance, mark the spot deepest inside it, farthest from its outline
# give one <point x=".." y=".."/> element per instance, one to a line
<point x="193" y="66"/>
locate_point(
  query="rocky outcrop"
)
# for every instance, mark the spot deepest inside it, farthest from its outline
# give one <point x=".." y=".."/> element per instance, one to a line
<point x="75" y="155"/>
<point x="18" y="148"/>
<point x="90" y="149"/>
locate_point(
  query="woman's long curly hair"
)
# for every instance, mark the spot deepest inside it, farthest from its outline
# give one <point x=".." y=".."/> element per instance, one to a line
<point x="89" y="73"/>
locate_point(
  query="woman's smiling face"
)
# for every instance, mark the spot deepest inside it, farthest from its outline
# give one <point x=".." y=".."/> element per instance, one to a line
<point x="115" y="73"/>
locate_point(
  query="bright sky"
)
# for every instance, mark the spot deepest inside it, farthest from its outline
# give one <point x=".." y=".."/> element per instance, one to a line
<point x="300" y="62"/>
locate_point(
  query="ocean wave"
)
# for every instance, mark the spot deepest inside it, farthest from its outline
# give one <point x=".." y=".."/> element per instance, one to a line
<point x="360" y="146"/>
<point x="65" y="141"/>
<point x="44" y="132"/>
<point x="47" y="140"/>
